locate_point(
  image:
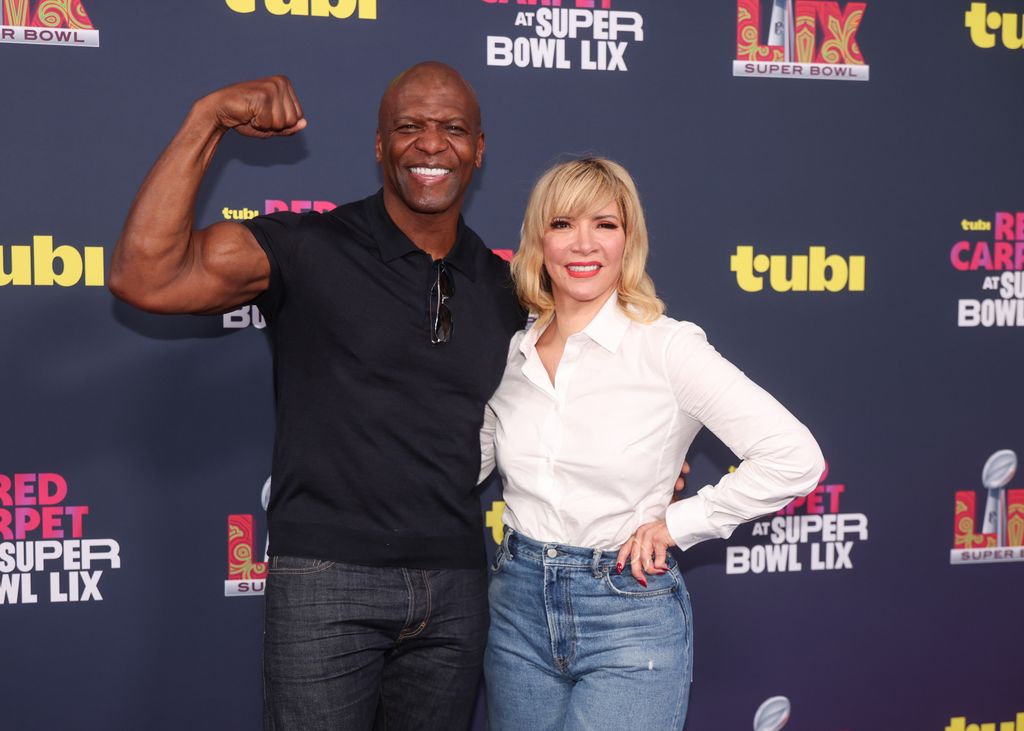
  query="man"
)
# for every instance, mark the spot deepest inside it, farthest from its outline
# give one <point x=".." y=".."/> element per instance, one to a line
<point x="390" y="324"/>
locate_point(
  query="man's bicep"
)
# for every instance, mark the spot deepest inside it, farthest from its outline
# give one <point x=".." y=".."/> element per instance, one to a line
<point x="229" y="267"/>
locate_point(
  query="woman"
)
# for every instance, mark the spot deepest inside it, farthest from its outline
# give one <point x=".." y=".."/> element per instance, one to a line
<point x="599" y="403"/>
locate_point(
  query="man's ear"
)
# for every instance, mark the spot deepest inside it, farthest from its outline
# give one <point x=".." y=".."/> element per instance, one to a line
<point x="480" y="150"/>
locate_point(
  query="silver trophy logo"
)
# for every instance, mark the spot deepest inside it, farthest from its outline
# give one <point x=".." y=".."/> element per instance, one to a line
<point x="265" y="501"/>
<point x="999" y="469"/>
<point x="773" y="714"/>
<point x="781" y="27"/>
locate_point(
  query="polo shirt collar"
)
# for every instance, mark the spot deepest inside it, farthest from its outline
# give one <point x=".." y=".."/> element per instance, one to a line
<point x="394" y="244"/>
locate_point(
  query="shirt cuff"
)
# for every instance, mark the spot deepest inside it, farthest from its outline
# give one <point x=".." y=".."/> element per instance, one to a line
<point x="688" y="523"/>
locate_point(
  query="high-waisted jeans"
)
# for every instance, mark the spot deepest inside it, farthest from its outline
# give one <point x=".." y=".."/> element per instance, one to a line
<point x="573" y="644"/>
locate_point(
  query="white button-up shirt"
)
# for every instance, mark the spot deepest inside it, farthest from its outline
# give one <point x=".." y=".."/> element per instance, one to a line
<point x="587" y="460"/>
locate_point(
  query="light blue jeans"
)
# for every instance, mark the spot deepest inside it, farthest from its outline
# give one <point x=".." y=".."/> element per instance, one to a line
<point x="573" y="644"/>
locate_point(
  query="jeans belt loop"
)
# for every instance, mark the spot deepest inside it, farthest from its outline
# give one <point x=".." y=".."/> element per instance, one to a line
<point x="506" y="541"/>
<point x="595" y="563"/>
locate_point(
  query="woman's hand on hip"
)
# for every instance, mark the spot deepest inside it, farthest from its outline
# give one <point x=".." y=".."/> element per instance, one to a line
<point x="646" y="550"/>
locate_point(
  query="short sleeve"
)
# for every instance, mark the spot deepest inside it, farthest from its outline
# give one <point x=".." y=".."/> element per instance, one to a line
<point x="277" y="235"/>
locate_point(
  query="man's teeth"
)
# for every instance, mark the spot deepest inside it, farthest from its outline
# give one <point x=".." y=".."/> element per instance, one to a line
<point x="583" y="267"/>
<point x="431" y="172"/>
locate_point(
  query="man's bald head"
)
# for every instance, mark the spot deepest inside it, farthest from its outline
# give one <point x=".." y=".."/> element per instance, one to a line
<point x="425" y="75"/>
<point x="429" y="143"/>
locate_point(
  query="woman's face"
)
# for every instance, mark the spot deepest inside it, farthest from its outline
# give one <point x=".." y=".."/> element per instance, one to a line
<point x="583" y="255"/>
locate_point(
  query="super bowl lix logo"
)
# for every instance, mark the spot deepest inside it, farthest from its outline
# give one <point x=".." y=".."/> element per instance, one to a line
<point x="47" y="22"/>
<point x="45" y="553"/>
<point x="1001" y="537"/>
<point x="812" y="533"/>
<point x="585" y="34"/>
<point x="806" y="39"/>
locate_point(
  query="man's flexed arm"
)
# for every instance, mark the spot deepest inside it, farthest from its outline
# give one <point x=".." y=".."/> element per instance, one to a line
<point x="161" y="263"/>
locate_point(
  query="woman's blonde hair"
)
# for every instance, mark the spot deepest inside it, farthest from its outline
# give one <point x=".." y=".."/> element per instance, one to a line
<point x="577" y="188"/>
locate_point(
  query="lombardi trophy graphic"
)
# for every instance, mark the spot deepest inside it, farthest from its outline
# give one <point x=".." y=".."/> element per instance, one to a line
<point x="265" y="501"/>
<point x="781" y="28"/>
<point x="999" y="469"/>
<point x="773" y="714"/>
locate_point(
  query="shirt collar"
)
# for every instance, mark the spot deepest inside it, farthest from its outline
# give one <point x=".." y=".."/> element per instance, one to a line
<point x="394" y="244"/>
<point x="607" y="329"/>
<point x="609" y="325"/>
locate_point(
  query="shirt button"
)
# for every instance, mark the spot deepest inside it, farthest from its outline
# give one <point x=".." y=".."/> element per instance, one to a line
<point x="552" y="553"/>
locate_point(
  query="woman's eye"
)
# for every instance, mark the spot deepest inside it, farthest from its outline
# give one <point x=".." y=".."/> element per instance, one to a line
<point x="559" y="223"/>
<point x="608" y="224"/>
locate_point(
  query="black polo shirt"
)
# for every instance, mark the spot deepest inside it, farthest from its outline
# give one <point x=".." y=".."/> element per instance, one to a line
<point x="376" y="453"/>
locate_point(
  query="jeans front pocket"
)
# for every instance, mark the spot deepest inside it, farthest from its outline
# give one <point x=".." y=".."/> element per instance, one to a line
<point x="625" y="585"/>
<point x="298" y="565"/>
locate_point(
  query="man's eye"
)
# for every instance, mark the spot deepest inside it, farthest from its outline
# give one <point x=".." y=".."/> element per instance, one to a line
<point x="456" y="129"/>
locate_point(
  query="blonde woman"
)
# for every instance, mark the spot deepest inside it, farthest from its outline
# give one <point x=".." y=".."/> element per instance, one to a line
<point x="599" y="402"/>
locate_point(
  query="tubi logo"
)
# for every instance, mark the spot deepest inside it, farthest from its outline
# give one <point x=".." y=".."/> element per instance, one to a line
<point x="367" y="9"/>
<point x="34" y="265"/>
<point x="981" y="22"/>
<point x="47" y="23"/>
<point x="807" y="39"/>
<point x="960" y="724"/>
<point x="814" y="272"/>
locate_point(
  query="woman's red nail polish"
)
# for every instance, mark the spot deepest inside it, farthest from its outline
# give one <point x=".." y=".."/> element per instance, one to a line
<point x="643" y="582"/>
<point x="618" y="568"/>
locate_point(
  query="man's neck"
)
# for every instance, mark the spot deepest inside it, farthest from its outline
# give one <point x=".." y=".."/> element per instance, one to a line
<point x="434" y="233"/>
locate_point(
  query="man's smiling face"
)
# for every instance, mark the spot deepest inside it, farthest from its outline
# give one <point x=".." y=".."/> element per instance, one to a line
<point x="429" y="140"/>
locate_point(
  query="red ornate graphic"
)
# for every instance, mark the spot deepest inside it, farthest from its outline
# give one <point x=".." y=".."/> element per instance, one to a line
<point x="806" y="32"/>
<point x="241" y="539"/>
<point x="47" y="14"/>
<point x="840" y="30"/>
<point x="964" y="523"/>
<point x="748" y="24"/>
<point x="1015" y="517"/>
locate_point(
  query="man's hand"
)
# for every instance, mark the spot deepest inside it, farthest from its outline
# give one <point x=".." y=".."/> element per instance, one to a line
<point x="681" y="480"/>
<point x="649" y="540"/>
<point x="262" y="108"/>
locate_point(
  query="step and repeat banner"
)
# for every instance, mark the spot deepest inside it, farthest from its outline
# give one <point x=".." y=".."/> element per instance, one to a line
<point x="834" y="195"/>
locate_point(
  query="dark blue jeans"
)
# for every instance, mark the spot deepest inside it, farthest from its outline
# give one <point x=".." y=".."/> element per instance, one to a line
<point x="356" y="647"/>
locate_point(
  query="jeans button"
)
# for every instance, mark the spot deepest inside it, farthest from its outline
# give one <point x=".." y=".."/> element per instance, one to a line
<point x="552" y="553"/>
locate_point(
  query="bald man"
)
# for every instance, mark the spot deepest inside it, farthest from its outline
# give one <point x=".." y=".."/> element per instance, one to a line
<point x="389" y="321"/>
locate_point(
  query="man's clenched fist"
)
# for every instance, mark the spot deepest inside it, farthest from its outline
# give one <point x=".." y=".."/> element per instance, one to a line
<point x="260" y="108"/>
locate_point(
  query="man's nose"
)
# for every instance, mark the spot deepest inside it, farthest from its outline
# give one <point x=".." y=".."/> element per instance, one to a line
<point x="431" y="141"/>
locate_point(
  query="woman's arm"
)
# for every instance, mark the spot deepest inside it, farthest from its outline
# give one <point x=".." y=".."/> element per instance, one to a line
<point x="780" y="458"/>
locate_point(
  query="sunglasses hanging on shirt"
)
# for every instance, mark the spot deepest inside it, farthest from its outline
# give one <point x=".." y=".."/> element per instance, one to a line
<point x="440" y="316"/>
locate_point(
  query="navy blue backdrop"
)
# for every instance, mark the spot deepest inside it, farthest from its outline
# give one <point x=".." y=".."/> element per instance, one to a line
<point x="836" y="204"/>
